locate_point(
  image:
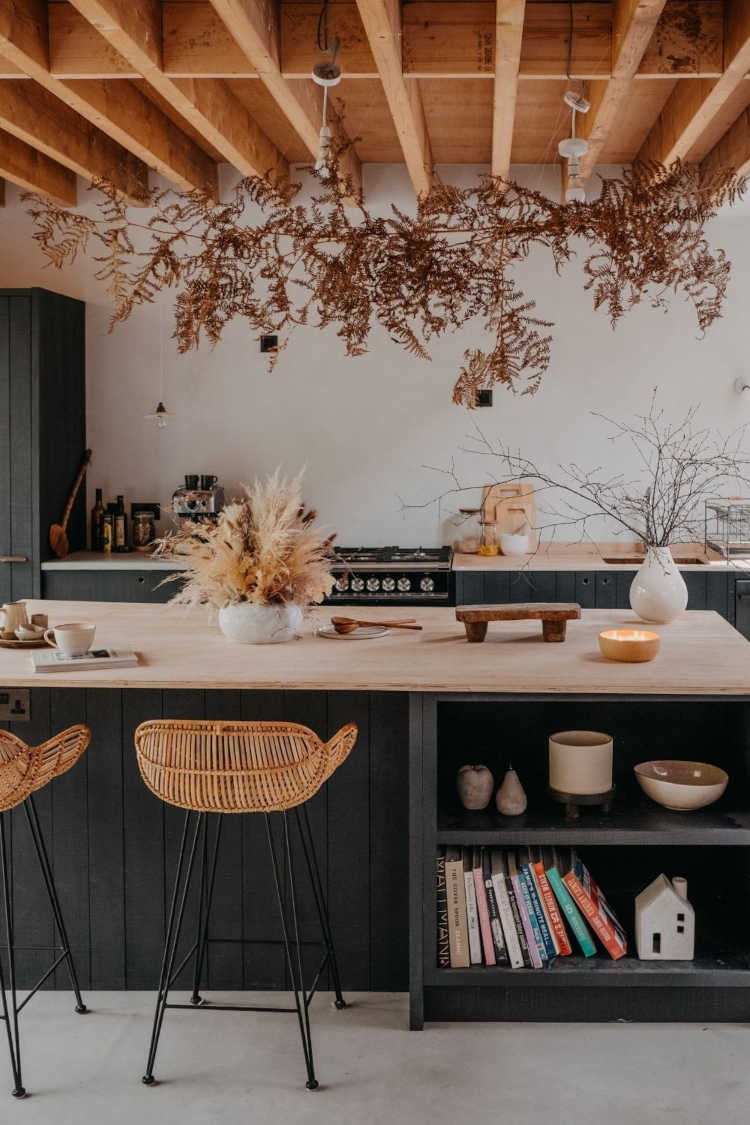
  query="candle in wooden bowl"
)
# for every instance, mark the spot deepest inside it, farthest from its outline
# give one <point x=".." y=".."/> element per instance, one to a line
<point x="631" y="646"/>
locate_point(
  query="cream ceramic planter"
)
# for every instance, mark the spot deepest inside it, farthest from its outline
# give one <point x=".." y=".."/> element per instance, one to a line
<point x="251" y="624"/>
<point x="658" y="592"/>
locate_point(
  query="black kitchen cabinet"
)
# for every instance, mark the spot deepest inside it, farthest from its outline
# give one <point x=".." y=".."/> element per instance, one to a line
<point x="104" y="585"/>
<point x="42" y="430"/>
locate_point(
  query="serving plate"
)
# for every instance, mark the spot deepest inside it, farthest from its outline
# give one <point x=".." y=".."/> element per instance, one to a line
<point x="41" y="643"/>
<point x="364" y="633"/>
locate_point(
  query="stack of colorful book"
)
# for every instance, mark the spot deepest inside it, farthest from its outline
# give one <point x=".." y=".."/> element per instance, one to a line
<point x="519" y="907"/>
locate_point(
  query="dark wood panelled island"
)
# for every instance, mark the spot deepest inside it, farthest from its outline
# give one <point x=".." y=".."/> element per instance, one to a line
<point x="425" y="703"/>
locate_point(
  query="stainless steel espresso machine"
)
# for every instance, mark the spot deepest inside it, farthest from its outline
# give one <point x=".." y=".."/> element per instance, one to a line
<point x="201" y="498"/>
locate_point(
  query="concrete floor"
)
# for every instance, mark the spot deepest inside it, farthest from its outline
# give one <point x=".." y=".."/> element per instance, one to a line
<point x="227" y="1069"/>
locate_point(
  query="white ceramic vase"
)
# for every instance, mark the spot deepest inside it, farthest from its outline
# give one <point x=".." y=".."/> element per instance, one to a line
<point x="251" y="624"/>
<point x="658" y="592"/>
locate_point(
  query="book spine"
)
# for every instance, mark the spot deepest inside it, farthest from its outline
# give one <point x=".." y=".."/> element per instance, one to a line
<point x="484" y="917"/>
<point x="457" y="927"/>
<point x="496" y="926"/>
<point x="572" y="913"/>
<point x="443" y="939"/>
<point x="602" y="929"/>
<point x="506" y="918"/>
<point x="538" y="941"/>
<point x="553" y="913"/>
<point x="472" y="918"/>
<point x="523" y="940"/>
<point x="536" y="903"/>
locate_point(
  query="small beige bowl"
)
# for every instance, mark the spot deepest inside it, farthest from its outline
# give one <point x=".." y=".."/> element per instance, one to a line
<point x="681" y="786"/>
<point x="631" y="646"/>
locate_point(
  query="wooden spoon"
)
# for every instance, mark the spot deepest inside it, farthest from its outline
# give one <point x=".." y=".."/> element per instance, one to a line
<point x="58" y="539"/>
<point x="349" y="624"/>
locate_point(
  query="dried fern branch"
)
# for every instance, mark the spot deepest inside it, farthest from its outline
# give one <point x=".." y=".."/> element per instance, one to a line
<point x="419" y="276"/>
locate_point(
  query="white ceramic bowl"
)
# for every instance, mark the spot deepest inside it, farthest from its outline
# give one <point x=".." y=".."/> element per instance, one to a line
<point x="514" y="544"/>
<point x="681" y="786"/>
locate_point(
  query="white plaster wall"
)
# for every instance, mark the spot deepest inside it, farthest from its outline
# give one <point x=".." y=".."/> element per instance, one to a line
<point x="365" y="428"/>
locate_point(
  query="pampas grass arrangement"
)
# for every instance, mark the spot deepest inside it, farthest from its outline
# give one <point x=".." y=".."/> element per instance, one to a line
<point x="262" y="549"/>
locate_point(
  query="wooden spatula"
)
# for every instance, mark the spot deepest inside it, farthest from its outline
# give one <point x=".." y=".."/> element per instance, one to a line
<point x="58" y="539"/>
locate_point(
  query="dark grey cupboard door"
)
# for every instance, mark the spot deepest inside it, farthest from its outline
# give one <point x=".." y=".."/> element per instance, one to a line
<point x="16" y="450"/>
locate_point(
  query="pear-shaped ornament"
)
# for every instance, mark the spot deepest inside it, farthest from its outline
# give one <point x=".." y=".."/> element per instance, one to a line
<point x="510" y="798"/>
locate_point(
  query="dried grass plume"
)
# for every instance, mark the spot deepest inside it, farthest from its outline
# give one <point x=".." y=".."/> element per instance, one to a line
<point x="263" y="549"/>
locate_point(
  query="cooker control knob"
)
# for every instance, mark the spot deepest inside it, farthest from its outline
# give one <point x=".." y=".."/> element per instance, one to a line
<point x="358" y="585"/>
<point x="388" y="585"/>
<point x="342" y="583"/>
<point x="427" y="584"/>
<point x="404" y="585"/>
<point x="373" y="585"/>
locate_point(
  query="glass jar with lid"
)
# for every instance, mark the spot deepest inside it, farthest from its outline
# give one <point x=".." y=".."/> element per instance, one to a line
<point x="469" y="537"/>
<point x="490" y="544"/>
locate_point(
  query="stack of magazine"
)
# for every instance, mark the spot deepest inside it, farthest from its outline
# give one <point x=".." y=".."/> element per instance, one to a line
<point x="54" y="660"/>
<point x="519" y="908"/>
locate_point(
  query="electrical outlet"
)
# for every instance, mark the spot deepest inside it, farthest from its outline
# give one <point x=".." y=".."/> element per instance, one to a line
<point x="484" y="397"/>
<point x="15" y="705"/>
<point x="269" y="343"/>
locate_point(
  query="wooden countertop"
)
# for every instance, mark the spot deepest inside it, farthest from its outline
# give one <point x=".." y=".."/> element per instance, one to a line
<point x="128" y="560"/>
<point x="591" y="556"/>
<point x="701" y="655"/>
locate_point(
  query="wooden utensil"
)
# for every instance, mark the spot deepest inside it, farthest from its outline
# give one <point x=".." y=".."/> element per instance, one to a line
<point x="58" y="539"/>
<point x="554" y="617"/>
<point x="349" y="624"/>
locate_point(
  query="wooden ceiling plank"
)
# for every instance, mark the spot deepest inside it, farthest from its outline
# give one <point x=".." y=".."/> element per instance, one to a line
<point x="117" y="109"/>
<point x="32" y="114"/>
<point x="508" y="35"/>
<point x="253" y="25"/>
<point x="690" y="111"/>
<point x="633" y="25"/>
<point x="33" y="171"/>
<point x="382" y="23"/>
<point x="133" y="28"/>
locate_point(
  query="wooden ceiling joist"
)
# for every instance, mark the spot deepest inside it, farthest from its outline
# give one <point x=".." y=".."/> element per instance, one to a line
<point x="33" y="171"/>
<point x="733" y="150"/>
<point x="633" y="25"/>
<point x="253" y="26"/>
<point x="508" y="34"/>
<point x="118" y="109"/>
<point x="441" y="39"/>
<point x="382" y="24"/>
<point x="133" y="28"/>
<point x="690" y="113"/>
<point x="40" y="119"/>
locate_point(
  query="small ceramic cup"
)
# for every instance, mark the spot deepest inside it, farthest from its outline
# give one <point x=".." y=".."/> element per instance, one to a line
<point x="74" y="639"/>
<point x="13" y="616"/>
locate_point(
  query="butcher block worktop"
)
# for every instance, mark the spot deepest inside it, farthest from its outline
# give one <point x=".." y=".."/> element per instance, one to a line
<point x="701" y="655"/>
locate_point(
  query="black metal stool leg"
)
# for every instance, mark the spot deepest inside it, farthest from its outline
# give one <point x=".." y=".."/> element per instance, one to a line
<point x="174" y="929"/>
<point x="308" y="846"/>
<point x="49" y="882"/>
<point x="294" y="964"/>
<point x="205" y="899"/>
<point x="10" y="1013"/>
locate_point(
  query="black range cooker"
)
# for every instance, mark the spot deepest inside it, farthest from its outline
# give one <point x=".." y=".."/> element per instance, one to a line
<point x="392" y="576"/>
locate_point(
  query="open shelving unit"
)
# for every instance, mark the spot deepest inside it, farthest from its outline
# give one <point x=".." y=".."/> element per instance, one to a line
<point x="625" y="849"/>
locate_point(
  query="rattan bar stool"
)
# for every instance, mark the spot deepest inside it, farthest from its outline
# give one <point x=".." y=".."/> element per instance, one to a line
<point x="212" y="769"/>
<point x="23" y="770"/>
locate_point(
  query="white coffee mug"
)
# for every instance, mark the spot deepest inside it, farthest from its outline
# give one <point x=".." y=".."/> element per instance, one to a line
<point x="74" y="639"/>
<point x="14" y="615"/>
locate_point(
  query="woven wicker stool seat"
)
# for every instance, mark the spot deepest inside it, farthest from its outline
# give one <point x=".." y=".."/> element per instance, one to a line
<point x="221" y="768"/>
<point x="239" y="767"/>
<point x="23" y="770"/>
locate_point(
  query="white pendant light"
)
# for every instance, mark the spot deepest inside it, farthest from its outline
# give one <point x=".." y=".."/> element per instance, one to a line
<point x="573" y="148"/>
<point x="326" y="73"/>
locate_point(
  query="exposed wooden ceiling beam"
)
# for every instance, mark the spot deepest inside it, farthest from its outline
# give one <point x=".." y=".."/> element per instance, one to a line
<point x="441" y="39"/>
<point x="633" y="25"/>
<point x="40" y="119"/>
<point x="253" y="25"/>
<point x="33" y="171"/>
<point x="508" y="33"/>
<point x="133" y="28"/>
<point x="733" y="150"/>
<point x="382" y="23"/>
<point x="689" y="113"/>
<point x="119" y="109"/>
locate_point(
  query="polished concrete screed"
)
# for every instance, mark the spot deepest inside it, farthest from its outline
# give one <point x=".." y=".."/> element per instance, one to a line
<point x="224" y="1069"/>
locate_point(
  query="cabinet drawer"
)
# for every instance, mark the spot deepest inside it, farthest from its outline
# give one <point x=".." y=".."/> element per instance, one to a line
<point x="107" y="586"/>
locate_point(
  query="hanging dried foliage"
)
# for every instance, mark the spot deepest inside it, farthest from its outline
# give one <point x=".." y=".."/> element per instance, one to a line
<point x="279" y="263"/>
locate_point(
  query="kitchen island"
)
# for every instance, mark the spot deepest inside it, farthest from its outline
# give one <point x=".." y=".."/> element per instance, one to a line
<point x="425" y="703"/>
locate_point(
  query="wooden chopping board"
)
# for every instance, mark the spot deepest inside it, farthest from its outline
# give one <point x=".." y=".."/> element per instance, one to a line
<point x="508" y="506"/>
